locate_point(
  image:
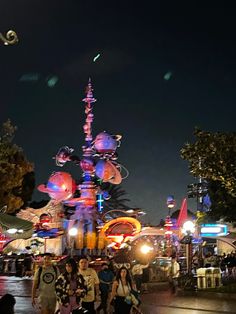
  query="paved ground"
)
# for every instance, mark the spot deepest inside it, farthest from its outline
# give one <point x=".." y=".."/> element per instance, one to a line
<point x="158" y="301"/>
<point x="163" y="303"/>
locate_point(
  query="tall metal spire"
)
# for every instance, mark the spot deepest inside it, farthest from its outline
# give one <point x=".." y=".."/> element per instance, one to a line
<point x="89" y="100"/>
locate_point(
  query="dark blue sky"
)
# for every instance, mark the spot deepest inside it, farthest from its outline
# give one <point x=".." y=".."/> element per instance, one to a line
<point x="139" y="44"/>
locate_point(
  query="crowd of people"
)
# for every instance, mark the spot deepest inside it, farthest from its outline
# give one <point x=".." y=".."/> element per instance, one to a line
<point x="74" y="287"/>
<point x="20" y="265"/>
<point x="14" y="264"/>
<point x="226" y="262"/>
<point x="79" y="289"/>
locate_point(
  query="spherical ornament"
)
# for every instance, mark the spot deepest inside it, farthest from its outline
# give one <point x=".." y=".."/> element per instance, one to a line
<point x="106" y="195"/>
<point x="108" y="172"/>
<point x="105" y="143"/>
<point x="60" y="186"/>
<point x="170" y="201"/>
<point x="87" y="164"/>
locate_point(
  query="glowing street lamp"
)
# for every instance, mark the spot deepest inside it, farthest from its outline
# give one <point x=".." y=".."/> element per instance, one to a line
<point x="145" y="249"/>
<point x="72" y="233"/>
<point x="188" y="229"/>
<point x="170" y="202"/>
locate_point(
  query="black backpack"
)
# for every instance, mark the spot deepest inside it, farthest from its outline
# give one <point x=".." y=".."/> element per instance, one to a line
<point x="40" y="272"/>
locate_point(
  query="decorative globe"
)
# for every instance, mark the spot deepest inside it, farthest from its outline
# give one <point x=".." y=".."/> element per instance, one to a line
<point x="105" y="143"/>
<point x="60" y="186"/>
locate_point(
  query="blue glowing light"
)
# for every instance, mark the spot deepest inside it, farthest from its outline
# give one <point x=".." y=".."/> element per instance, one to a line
<point x="100" y="201"/>
<point x="213" y="230"/>
<point x="53" y="186"/>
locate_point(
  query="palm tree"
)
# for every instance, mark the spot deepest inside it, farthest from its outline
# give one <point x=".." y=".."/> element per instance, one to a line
<point x="117" y="198"/>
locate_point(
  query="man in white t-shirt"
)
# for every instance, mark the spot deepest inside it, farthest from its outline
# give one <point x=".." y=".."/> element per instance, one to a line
<point x="137" y="273"/>
<point x="92" y="283"/>
<point x="174" y="272"/>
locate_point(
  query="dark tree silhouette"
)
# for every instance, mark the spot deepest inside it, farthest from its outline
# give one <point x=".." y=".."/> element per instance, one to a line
<point x="117" y="198"/>
<point x="16" y="172"/>
<point x="213" y="157"/>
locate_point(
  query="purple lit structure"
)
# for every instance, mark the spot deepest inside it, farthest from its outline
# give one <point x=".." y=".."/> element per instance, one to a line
<point x="98" y="164"/>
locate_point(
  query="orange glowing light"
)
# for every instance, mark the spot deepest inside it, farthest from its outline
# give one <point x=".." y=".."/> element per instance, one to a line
<point x="120" y="237"/>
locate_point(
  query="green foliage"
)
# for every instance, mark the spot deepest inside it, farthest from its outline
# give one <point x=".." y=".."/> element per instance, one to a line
<point x="222" y="203"/>
<point x="118" y="199"/>
<point x="16" y="173"/>
<point x="213" y="157"/>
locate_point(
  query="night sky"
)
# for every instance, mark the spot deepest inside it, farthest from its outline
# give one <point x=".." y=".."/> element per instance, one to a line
<point x="164" y="68"/>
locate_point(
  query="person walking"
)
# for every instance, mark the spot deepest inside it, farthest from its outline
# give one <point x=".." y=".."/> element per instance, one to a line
<point x="174" y="274"/>
<point x="92" y="283"/>
<point x="106" y="277"/>
<point x="70" y="287"/>
<point x="44" y="281"/>
<point x="137" y="273"/>
<point x="28" y="263"/>
<point x="121" y="292"/>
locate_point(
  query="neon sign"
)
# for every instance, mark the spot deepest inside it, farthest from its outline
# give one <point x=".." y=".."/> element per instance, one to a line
<point x="213" y="230"/>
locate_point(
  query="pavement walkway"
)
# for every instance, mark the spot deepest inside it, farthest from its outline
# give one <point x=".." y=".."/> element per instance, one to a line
<point x="158" y="300"/>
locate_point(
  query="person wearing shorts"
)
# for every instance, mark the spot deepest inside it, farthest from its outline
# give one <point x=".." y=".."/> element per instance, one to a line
<point x="44" y="280"/>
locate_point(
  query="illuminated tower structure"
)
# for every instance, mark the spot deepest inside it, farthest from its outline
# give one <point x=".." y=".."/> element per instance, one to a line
<point x="98" y="162"/>
<point x="86" y="204"/>
<point x="87" y="189"/>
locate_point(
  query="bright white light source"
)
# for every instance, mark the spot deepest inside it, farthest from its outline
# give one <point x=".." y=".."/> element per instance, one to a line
<point x="12" y="231"/>
<point x="73" y="232"/>
<point x="189" y="226"/>
<point x="145" y="249"/>
<point x="211" y="230"/>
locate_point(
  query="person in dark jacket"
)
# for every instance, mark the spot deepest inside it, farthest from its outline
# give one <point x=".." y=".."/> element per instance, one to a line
<point x="106" y="277"/>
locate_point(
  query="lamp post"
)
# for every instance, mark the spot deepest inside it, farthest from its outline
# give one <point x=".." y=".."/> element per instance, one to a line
<point x="168" y="224"/>
<point x="72" y="233"/>
<point x="188" y="230"/>
<point x="170" y="202"/>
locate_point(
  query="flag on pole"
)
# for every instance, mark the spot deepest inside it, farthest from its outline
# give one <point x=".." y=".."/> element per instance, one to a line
<point x="183" y="213"/>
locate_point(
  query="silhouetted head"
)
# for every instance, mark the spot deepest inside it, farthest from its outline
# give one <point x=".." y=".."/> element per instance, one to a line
<point x="7" y="303"/>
